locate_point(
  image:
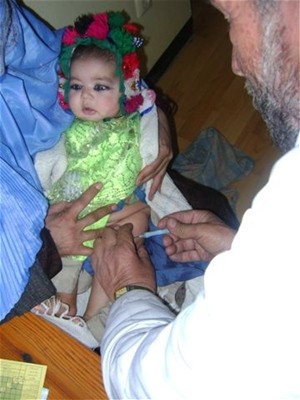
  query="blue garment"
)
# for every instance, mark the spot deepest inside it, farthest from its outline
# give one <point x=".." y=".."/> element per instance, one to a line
<point x="31" y="121"/>
<point x="22" y="212"/>
<point x="166" y="270"/>
<point x="29" y="81"/>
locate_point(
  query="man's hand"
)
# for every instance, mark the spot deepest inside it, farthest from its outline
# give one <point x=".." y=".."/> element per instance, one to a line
<point x="157" y="169"/>
<point x="117" y="261"/>
<point x="67" y="229"/>
<point x="195" y="235"/>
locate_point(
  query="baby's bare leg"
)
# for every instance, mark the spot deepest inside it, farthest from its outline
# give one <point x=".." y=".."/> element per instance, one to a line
<point x="70" y="299"/>
<point x="138" y="215"/>
<point x="66" y="282"/>
<point x="97" y="300"/>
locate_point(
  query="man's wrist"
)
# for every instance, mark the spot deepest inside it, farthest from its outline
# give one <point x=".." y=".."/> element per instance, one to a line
<point x="125" y="289"/>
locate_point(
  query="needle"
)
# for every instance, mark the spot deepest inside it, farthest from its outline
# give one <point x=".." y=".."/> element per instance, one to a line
<point x="146" y="235"/>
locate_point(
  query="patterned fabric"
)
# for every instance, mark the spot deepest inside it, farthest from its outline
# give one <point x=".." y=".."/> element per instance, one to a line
<point x="105" y="151"/>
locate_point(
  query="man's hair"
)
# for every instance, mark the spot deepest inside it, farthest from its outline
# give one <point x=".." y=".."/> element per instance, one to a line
<point x="92" y="51"/>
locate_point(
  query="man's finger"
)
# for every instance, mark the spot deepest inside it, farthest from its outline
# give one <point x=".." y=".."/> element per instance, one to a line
<point x="156" y="185"/>
<point x="143" y="254"/>
<point x="91" y="234"/>
<point x="187" y="256"/>
<point x="96" y="215"/>
<point x="125" y="233"/>
<point x="58" y="207"/>
<point x="150" y="171"/>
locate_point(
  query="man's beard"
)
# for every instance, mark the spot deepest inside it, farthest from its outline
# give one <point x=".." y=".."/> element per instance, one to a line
<point x="283" y="127"/>
<point x="276" y="93"/>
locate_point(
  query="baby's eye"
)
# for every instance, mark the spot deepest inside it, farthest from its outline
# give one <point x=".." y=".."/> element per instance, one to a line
<point x="100" y="88"/>
<point x="75" y="86"/>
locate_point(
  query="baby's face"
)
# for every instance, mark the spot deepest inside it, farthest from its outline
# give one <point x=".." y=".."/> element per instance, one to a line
<point x="94" y="89"/>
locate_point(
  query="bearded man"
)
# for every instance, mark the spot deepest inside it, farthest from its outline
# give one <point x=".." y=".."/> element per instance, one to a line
<point x="240" y="338"/>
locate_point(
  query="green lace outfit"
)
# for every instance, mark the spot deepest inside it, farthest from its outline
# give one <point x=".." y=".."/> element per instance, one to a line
<point x="106" y="151"/>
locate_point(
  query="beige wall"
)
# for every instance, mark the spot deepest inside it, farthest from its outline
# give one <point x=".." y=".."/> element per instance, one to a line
<point x="162" y="22"/>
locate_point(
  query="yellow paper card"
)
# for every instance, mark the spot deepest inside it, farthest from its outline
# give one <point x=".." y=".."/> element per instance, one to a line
<point x="20" y="380"/>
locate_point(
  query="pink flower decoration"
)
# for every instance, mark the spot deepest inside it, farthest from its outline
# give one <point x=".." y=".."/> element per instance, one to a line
<point x="69" y="36"/>
<point x="132" y="104"/>
<point x="99" y="27"/>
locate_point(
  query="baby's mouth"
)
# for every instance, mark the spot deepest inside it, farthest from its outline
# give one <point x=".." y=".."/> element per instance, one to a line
<point x="88" y="111"/>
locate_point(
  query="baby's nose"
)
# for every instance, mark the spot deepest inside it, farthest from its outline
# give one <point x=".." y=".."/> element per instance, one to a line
<point x="86" y="92"/>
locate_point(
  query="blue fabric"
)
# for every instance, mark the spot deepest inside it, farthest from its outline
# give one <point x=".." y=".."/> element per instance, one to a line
<point x="168" y="271"/>
<point x="87" y="266"/>
<point x="212" y="161"/>
<point x="29" y="81"/>
<point x="31" y="121"/>
<point x="22" y="212"/>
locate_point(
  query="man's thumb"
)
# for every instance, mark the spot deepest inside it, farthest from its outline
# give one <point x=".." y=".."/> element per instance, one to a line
<point x="179" y="229"/>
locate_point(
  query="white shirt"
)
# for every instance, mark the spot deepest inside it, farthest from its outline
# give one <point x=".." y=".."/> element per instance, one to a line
<point x="241" y="339"/>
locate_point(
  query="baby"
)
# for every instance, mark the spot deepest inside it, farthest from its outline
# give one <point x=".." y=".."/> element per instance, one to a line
<point x="114" y="134"/>
<point x="103" y="90"/>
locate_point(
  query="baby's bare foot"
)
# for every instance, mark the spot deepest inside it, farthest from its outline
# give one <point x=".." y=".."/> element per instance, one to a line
<point x="70" y="300"/>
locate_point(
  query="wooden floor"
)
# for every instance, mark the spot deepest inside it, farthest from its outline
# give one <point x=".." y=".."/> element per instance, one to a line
<point x="207" y="93"/>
